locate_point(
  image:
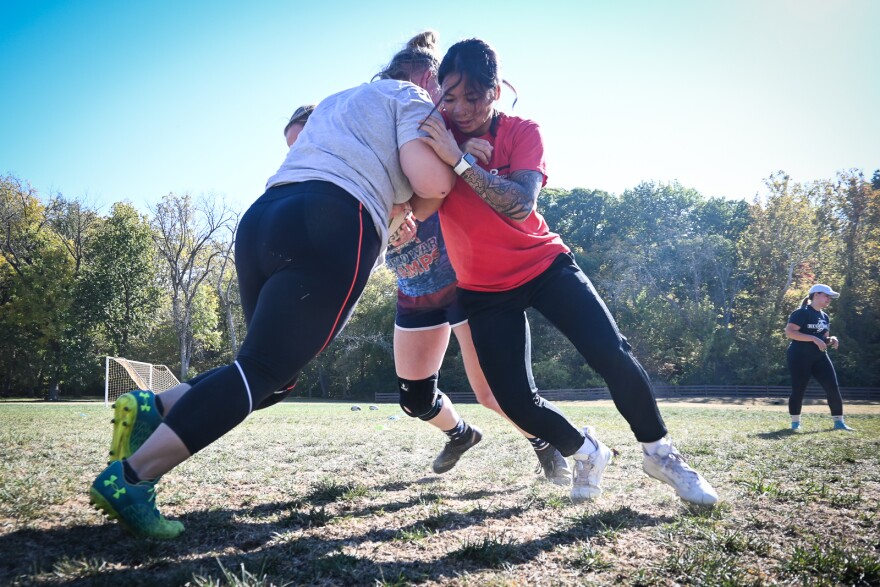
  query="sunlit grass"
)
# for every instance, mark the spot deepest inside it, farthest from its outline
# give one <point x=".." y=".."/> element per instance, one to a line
<point x="312" y="493"/>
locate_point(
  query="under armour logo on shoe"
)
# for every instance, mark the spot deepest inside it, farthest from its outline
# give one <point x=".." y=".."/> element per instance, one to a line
<point x="145" y="407"/>
<point x="117" y="490"/>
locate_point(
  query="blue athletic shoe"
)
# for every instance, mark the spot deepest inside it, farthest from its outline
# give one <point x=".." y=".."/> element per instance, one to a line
<point x="841" y="425"/>
<point x="135" y="418"/>
<point x="133" y="505"/>
<point x="795" y="425"/>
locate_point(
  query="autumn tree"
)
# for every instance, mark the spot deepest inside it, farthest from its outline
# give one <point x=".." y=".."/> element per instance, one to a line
<point x="186" y="232"/>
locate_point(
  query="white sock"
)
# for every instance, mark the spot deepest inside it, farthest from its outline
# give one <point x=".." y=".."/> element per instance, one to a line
<point x="837" y="418"/>
<point x="795" y="417"/>
<point x="652" y="447"/>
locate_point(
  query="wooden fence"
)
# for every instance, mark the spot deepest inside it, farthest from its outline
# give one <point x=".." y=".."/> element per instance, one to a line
<point x="672" y="391"/>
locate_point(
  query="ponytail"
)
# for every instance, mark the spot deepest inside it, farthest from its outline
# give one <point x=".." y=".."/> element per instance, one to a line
<point x="419" y="54"/>
<point x="806" y="301"/>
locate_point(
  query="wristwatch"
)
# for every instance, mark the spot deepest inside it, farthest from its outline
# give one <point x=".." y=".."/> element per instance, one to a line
<point x="466" y="162"/>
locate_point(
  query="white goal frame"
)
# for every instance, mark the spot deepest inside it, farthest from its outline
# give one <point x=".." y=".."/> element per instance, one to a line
<point x="121" y="375"/>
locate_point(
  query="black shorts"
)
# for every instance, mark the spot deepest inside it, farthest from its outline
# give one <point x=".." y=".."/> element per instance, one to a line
<point x="429" y="311"/>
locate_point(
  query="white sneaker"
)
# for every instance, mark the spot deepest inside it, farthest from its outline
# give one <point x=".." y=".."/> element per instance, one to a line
<point x="669" y="466"/>
<point x="588" y="469"/>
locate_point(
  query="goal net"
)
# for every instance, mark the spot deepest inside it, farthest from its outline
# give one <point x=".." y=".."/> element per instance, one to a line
<point x="123" y="375"/>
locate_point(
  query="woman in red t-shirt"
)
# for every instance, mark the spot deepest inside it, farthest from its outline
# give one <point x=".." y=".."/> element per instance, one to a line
<point x="507" y="260"/>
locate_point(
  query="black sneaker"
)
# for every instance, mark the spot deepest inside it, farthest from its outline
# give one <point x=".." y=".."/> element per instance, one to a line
<point x="450" y="454"/>
<point x="554" y="465"/>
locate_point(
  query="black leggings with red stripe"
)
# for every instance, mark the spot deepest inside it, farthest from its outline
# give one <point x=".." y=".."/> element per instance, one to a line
<point x="303" y="253"/>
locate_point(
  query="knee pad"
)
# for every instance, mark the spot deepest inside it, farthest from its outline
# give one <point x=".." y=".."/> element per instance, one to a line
<point x="420" y="399"/>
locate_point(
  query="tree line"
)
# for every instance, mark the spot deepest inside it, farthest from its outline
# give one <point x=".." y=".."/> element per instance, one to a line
<point x="700" y="286"/>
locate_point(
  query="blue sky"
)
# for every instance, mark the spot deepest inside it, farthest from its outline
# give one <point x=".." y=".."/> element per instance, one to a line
<point x="112" y="100"/>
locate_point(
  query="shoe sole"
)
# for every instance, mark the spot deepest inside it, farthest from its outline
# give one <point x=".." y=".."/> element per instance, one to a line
<point x="477" y="437"/>
<point x="124" y="416"/>
<point x="712" y="501"/>
<point x="587" y="497"/>
<point x="100" y="503"/>
<point x="561" y="481"/>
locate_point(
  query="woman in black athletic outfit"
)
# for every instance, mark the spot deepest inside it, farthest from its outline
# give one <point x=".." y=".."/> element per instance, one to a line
<point x="809" y="330"/>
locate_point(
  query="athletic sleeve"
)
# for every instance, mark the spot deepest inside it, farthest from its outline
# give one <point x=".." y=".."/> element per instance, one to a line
<point x="413" y="106"/>
<point x="528" y="149"/>
<point x="798" y="317"/>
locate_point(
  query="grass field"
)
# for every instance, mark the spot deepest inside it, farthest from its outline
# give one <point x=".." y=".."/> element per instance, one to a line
<point x="315" y="494"/>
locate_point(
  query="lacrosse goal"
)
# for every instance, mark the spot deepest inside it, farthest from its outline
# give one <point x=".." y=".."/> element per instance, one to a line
<point x="123" y="375"/>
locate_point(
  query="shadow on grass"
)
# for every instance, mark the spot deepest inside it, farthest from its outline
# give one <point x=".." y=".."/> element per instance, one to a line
<point x="99" y="555"/>
<point x="783" y="433"/>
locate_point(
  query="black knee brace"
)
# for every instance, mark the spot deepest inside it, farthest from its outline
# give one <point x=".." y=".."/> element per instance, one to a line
<point x="420" y="399"/>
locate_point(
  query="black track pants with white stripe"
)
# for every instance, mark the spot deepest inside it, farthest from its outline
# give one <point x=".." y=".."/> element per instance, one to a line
<point x="303" y="253"/>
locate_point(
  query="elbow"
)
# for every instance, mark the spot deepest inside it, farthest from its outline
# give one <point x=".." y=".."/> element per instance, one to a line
<point x="428" y="175"/>
<point x="434" y="186"/>
<point x="521" y="216"/>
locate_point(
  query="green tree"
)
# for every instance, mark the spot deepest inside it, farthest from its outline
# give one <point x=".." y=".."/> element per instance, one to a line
<point x="849" y="234"/>
<point x="659" y="262"/>
<point x="119" y="291"/>
<point x="779" y="254"/>
<point x="37" y="275"/>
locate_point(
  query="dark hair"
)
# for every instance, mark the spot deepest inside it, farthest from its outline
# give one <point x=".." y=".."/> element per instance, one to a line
<point x="300" y="115"/>
<point x="419" y="54"/>
<point x="474" y="59"/>
<point x="806" y="301"/>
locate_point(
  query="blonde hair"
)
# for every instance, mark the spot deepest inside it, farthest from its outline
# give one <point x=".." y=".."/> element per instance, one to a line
<point x="418" y="55"/>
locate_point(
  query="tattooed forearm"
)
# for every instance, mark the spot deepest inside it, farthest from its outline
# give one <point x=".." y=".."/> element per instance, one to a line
<point x="514" y="197"/>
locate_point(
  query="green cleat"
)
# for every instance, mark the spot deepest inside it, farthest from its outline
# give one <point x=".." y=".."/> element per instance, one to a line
<point x="133" y="505"/>
<point x="135" y="418"/>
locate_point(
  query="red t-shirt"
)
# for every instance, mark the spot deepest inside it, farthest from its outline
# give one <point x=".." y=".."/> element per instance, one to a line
<point x="489" y="251"/>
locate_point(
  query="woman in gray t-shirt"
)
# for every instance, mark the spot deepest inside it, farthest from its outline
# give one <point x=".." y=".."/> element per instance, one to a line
<point x="303" y="252"/>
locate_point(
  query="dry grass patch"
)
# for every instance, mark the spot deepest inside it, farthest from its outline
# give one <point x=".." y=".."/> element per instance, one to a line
<point x="312" y="493"/>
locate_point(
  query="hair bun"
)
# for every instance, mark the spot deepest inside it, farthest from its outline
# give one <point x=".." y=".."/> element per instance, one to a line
<point x="424" y="40"/>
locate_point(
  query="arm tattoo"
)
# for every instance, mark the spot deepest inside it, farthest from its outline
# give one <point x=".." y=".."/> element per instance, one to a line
<point x="514" y="197"/>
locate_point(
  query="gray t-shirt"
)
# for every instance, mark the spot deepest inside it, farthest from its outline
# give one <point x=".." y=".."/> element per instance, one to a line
<point x="352" y="140"/>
